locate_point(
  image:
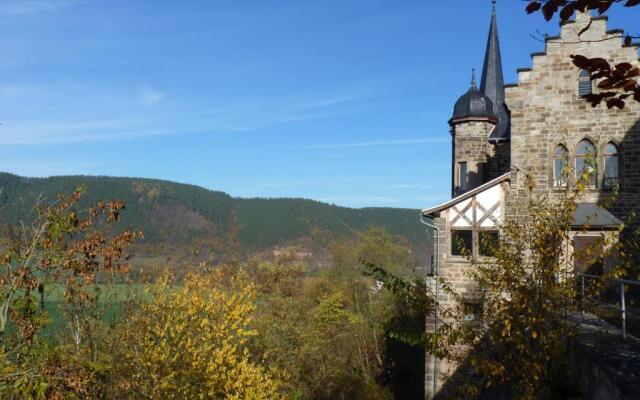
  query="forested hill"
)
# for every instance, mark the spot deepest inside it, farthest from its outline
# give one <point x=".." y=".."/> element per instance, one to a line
<point x="176" y="213"/>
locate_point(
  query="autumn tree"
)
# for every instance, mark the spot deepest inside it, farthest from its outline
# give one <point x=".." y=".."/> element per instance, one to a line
<point x="376" y="246"/>
<point x="617" y="82"/>
<point x="326" y="332"/>
<point x="67" y="247"/>
<point x="325" y="337"/>
<point x="189" y="341"/>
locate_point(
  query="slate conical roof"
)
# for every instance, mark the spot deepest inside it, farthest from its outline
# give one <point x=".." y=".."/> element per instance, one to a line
<point x="492" y="81"/>
<point x="473" y="103"/>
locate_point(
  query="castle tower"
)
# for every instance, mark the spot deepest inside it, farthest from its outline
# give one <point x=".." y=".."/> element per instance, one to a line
<point x="472" y="122"/>
<point x="480" y="125"/>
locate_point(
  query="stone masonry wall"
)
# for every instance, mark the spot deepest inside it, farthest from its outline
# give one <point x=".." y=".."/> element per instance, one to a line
<point x="455" y="271"/>
<point x="546" y="111"/>
<point x="470" y="144"/>
<point x="501" y="159"/>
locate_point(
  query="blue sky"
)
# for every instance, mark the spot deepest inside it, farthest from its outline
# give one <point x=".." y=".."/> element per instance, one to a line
<point x="341" y="101"/>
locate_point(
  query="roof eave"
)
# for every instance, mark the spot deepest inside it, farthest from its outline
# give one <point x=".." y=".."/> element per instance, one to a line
<point x="484" y="118"/>
<point x="429" y="211"/>
<point x="596" y="228"/>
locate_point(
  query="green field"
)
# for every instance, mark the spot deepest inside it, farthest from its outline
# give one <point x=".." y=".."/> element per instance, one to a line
<point x="112" y="298"/>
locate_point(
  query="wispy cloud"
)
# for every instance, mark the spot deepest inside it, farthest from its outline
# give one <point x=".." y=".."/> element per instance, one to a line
<point x="149" y="96"/>
<point x="81" y="131"/>
<point x="374" y="143"/>
<point x="69" y="112"/>
<point x="24" y="7"/>
<point x="326" y="102"/>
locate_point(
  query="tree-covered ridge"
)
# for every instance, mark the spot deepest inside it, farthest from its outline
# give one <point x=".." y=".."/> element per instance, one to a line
<point x="168" y="212"/>
<point x="260" y="328"/>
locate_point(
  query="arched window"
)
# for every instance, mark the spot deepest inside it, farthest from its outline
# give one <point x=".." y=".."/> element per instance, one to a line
<point x="586" y="166"/>
<point x="560" y="157"/>
<point x="611" y="166"/>
<point x="585" y="86"/>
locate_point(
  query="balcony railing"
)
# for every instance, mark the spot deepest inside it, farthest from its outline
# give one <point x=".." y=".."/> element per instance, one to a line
<point x="621" y="307"/>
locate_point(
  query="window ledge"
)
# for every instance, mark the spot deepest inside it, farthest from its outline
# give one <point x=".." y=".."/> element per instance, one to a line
<point x="458" y="259"/>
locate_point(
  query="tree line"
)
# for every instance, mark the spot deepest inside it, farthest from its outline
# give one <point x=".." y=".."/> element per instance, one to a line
<point x="258" y="329"/>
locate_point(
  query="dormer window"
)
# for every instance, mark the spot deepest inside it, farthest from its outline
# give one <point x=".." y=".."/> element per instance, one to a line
<point x="585" y="86"/>
<point x="586" y="166"/>
<point x="560" y="157"/>
<point x="611" y="166"/>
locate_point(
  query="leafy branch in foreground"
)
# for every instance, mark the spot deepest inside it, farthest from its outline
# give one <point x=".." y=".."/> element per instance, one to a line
<point x="617" y="82"/>
<point x="65" y="248"/>
<point x="567" y="8"/>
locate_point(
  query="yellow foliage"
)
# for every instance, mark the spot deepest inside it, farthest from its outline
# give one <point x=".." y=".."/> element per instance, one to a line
<point x="189" y="342"/>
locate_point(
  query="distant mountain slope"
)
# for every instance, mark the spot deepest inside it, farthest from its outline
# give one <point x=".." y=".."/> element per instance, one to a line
<point x="171" y="212"/>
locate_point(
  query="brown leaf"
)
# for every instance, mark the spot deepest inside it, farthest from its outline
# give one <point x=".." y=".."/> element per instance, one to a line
<point x="617" y="74"/>
<point x="581" y="5"/>
<point x="629" y="85"/>
<point x="599" y="63"/>
<point x="615" y="103"/>
<point x="605" y="84"/>
<point x="593" y="99"/>
<point x="632" y="3"/>
<point x="549" y="9"/>
<point x="625" y="66"/>
<point x="604" y="6"/>
<point x="598" y="75"/>
<point x="604" y="95"/>
<point x="581" y="62"/>
<point x="567" y="12"/>
<point x="533" y="7"/>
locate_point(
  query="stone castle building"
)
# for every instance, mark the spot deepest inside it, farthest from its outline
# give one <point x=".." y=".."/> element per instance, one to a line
<point x="538" y="127"/>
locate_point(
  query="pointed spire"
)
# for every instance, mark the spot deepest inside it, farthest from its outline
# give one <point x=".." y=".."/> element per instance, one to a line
<point x="492" y="81"/>
<point x="473" y="78"/>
